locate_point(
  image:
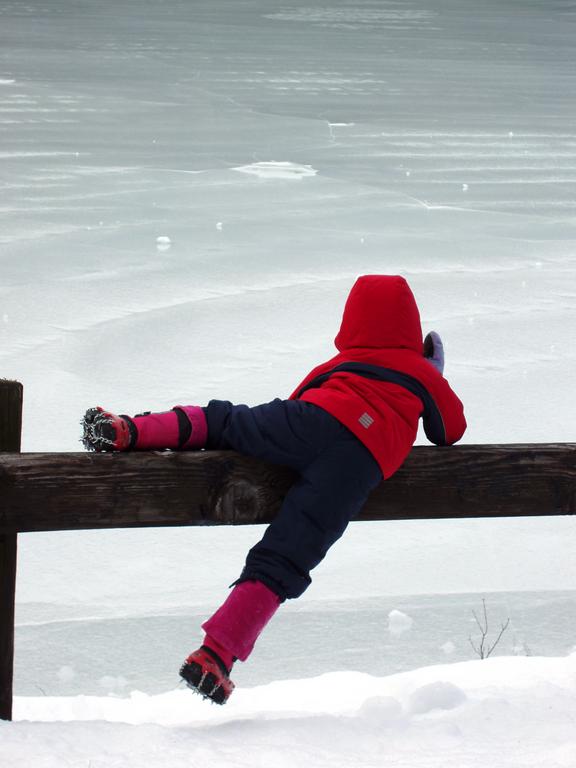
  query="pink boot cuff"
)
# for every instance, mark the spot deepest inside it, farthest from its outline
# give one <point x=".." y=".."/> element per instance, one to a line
<point x="157" y="431"/>
<point x="238" y="622"/>
<point x="162" y="430"/>
<point x="197" y="419"/>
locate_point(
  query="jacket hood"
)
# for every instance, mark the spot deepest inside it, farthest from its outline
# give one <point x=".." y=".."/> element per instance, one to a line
<point x="380" y="312"/>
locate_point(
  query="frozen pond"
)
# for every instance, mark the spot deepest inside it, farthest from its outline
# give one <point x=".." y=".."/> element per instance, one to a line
<point x="102" y="656"/>
<point x="188" y="190"/>
<point x="280" y="151"/>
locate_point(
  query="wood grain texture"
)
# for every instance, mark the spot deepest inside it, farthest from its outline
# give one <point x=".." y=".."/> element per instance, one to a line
<point x="67" y="491"/>
<point x="11" y="393"/>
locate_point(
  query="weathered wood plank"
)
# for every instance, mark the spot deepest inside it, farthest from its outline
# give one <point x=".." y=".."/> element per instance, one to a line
<point x="10" y="431"/>
<point x="8" y="550"/>
<point x="66" y="491"/>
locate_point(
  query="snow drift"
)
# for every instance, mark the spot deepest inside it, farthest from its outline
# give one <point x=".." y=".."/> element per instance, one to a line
<point x="502" y="713"/>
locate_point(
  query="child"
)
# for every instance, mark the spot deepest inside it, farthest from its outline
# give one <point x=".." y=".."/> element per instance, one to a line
<point x="347" y="426"/>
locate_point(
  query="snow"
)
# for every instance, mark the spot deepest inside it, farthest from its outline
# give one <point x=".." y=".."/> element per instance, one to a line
<point x="506" y="713"/>
<point x="278" y="170"/>
<point x="187" y="192"/>
<point x="399" y="622"/>
<point x="163" y="242"/>
<point x="448" y="647"/>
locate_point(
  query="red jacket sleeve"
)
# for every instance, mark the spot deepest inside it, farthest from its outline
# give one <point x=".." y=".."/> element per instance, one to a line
<point x="451" y="411"/>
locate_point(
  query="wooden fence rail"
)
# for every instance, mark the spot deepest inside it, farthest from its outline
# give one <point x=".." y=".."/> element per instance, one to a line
<point x="72" y="491"/>
<point x="67" y="491"/>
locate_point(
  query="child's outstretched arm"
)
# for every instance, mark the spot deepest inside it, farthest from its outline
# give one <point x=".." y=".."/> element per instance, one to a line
<point x="448" y="424"/>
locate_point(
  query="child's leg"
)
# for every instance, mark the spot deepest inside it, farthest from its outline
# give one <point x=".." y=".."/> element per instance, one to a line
<point x="315" y="513"/>
<point x="238" y="622"/>
<point x="337" y="475"/>
<point x="287" y="432"/>
<point x="230" y="634"/>
<point x="183" y="428"/>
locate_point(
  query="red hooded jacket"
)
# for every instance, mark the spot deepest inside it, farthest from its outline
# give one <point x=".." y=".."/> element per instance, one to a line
<point x="380" y="384"/>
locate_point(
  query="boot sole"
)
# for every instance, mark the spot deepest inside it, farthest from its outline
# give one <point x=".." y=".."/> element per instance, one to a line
<point x="204" y="683"/>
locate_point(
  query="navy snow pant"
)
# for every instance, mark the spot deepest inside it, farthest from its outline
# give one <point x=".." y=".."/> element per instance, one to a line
<point x="337" y="473"/>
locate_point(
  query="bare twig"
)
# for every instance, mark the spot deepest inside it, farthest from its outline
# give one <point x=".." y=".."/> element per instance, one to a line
<point x="495" y="643"/>
<point x="483" y="649"/>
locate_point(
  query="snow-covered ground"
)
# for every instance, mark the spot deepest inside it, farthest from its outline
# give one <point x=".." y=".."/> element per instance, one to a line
<point x="188" y="189"/>
<point x="502" y="713"/>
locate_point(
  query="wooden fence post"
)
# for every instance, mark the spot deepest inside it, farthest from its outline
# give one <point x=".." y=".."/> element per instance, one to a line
<point x="10" y="434"/>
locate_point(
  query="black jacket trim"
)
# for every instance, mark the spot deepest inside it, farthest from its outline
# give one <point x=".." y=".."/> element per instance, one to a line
<point x="431" y="416"/>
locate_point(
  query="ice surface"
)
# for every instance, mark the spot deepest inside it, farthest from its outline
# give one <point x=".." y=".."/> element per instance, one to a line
<point x="433" y="141"/>
<point x="187" y="192"/>
<point x="89" y="645"/>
